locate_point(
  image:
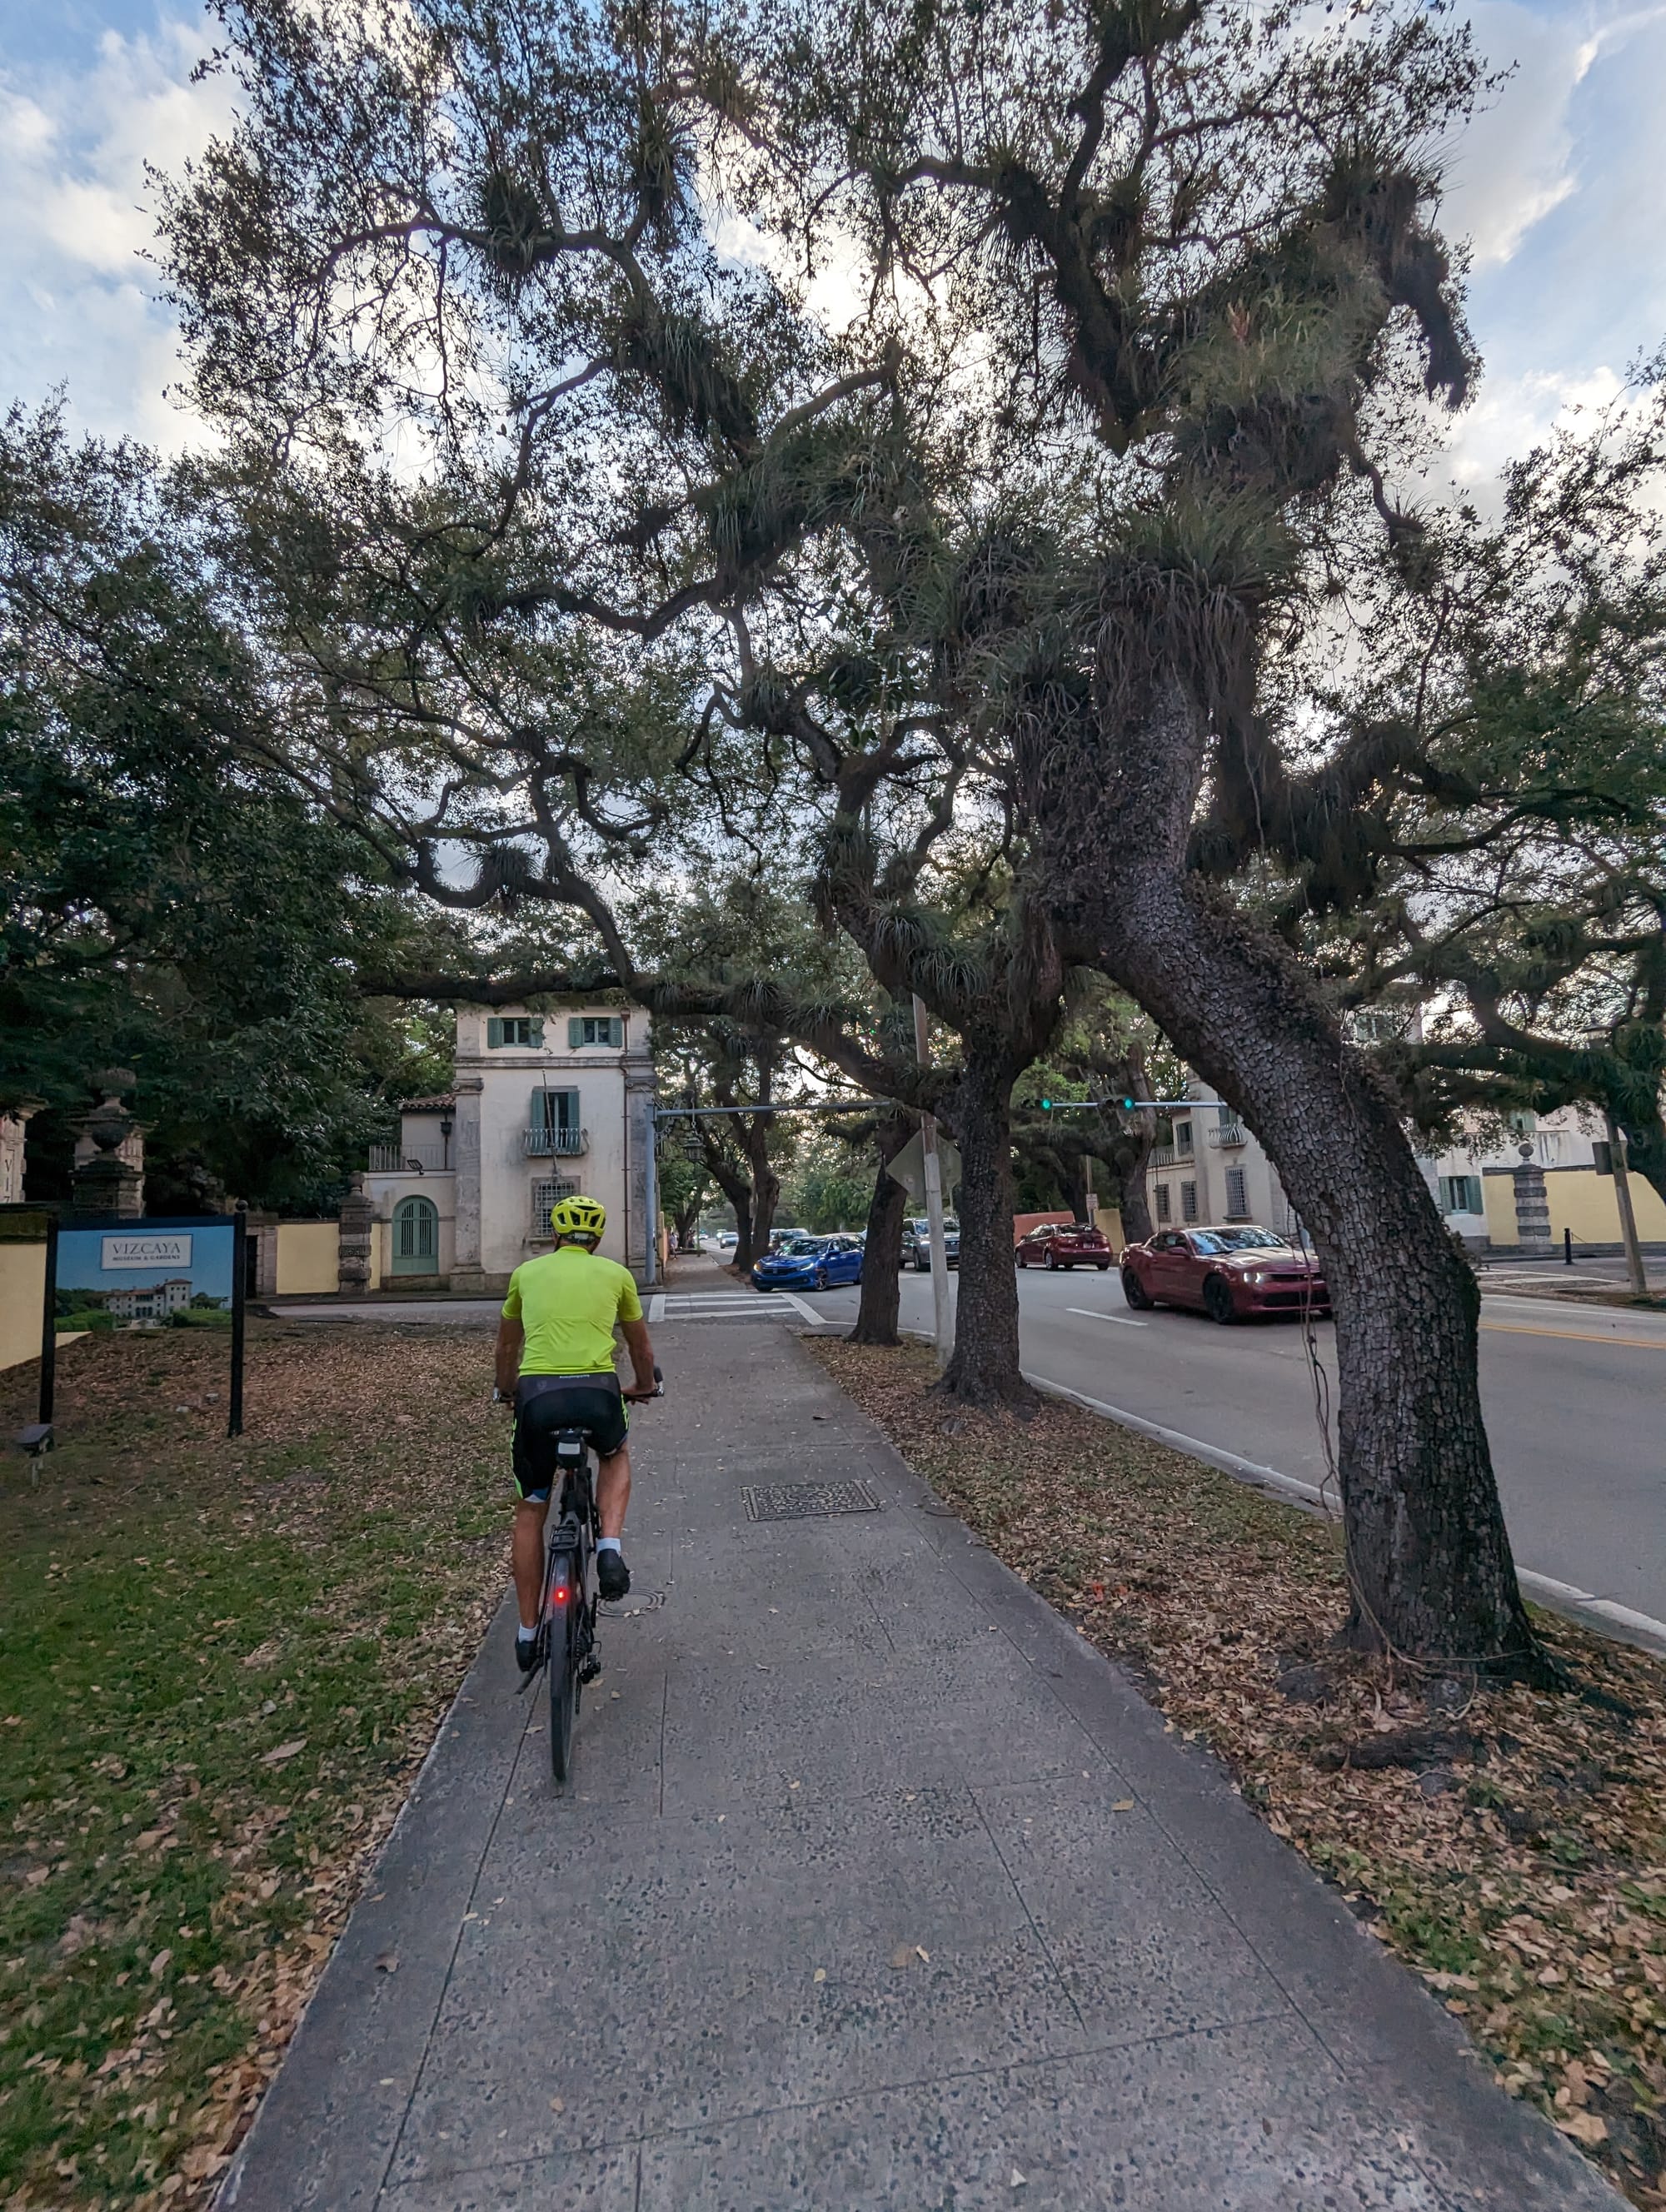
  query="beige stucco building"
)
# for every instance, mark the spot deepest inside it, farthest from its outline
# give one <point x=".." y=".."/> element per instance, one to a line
<point x="1215" y="1171"/>
<point x="541" y="1105"/>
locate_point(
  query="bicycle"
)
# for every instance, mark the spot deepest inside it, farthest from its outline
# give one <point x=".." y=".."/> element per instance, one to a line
<point x="568" y="1607"/>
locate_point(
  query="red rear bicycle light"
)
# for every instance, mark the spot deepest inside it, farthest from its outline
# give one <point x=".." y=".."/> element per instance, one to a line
<point x="558" y="1595"/>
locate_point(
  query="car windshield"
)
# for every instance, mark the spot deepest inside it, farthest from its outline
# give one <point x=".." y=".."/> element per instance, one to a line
<point x="1237" y="1239"/>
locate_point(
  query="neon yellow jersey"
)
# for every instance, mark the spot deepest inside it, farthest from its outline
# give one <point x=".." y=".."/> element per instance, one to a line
<point x="567" y="1301"/>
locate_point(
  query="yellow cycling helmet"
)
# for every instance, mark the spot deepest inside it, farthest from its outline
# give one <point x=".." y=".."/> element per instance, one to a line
<point x="577" y="1217"/>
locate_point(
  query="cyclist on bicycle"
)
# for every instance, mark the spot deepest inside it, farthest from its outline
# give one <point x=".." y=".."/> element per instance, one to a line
<point x="555" y="1351"/>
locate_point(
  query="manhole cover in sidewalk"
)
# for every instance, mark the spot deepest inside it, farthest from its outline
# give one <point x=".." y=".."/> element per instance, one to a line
<point x="805" y="1501"/>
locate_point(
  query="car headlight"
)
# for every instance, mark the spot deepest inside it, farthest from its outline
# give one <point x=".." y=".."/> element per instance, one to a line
<point x="1256" y="1275"/>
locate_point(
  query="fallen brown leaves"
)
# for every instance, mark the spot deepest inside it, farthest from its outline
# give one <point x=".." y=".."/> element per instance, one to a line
<point x="1510" y="1845"/>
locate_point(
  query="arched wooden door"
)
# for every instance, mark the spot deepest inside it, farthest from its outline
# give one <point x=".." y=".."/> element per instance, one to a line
<point x="415" y="1238"/>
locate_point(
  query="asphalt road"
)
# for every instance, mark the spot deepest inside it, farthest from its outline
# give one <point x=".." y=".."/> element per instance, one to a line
<point x="1573" y="1396"/>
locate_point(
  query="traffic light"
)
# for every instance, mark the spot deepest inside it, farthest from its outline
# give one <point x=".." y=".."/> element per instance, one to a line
<point x="1128" y="1105"/>
<point x="1047" y="1105"/>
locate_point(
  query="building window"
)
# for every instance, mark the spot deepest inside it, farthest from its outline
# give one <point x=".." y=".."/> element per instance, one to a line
<point x="552" y="1125"/>
<point x="594" y="1028"/>
<point x="505" y="1032"/>
<point x="544" y="1196"/>
<point x="1163" y="1202"/>
<point x="415" y="1238"/>
<point x="1188" y="1201"/>
<point x="1237" y="1195"/>
<point x="1460" y="1195"/>
<point x="1183" y="1138"/>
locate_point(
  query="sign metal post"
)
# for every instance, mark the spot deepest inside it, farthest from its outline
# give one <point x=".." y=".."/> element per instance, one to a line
<point x="239" y="1241"/>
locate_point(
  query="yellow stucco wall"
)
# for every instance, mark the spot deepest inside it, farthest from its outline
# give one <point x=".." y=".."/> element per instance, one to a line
<point x="22" y="1288"/>
<point x="307" y="1257"/>
<point x="1580" y="1200"/>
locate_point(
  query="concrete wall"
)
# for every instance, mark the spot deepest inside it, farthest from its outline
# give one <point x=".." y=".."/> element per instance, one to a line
<point x="308" y="1254"/>
<point x="1580" y="1200"/>
<point x="22" y="1296"/>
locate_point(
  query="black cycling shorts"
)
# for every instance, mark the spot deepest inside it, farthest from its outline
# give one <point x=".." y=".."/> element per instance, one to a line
<point x="545" y="1404"/>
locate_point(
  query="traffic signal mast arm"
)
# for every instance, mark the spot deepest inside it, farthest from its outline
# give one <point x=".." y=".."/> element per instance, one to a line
<point x="1134" y="1105"/>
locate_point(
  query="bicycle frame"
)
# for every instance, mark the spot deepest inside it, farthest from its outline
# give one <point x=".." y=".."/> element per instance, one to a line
<point x="567" y="1608"/>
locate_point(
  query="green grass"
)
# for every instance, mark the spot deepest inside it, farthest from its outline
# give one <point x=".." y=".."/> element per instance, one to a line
<point x="220" y="1663"/>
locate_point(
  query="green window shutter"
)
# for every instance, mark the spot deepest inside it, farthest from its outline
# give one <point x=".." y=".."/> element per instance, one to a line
<point x="575" y="1032"/>
<point x="537" y="1032"/>
<point x="614" y="1031"/>
<point x="494" y="1032"/>
<point x="565" y="1108"/>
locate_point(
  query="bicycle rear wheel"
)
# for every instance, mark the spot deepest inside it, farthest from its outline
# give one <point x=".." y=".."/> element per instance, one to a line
<point x="567" y="1603"/>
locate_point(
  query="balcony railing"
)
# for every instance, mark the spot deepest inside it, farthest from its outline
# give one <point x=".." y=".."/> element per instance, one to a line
<point x="560" y="1144"/>
<point x="1162" y="1156"/>
<point x="1229" y="1135"/>
<point x="409" y="1159"/>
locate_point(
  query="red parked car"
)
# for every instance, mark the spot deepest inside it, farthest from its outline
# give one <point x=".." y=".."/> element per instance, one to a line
<point x="1063" y="1244"/>
<point x="1231" y="1272"/>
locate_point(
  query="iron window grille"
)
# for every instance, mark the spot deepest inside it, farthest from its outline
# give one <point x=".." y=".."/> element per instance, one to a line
<point x="544" y="1196"/>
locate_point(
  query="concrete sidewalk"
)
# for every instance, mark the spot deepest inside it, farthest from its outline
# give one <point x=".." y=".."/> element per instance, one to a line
<point x="876" y="1888"/>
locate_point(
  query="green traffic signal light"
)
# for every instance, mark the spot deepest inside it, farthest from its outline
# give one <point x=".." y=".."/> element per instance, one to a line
<point x="1047" y="1105"/>
<point x="1128" y="1105"/>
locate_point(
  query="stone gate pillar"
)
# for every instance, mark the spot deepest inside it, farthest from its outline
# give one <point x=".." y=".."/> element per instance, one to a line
<point x="1532" y="1204"/>
<point x="358" y="1226"/>
<point x="108" y="1176"/>
<point x="467" y="1270"/>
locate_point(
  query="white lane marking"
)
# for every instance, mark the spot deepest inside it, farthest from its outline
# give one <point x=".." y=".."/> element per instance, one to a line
<point x="793" y="1299"/>
<point x="1546" y="1586"/>
<point x="656" y="1308"/>
<point x="1092" y="1313"/>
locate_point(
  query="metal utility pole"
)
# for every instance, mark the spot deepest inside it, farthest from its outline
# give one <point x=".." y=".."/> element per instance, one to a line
<point x="1622" y="1194"/>
<point x="942" y="1319"/>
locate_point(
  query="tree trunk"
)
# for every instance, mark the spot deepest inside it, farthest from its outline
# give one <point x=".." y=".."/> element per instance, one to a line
<point x="738" y="1192"/>
<point x="1132" y="1201"/>
<point x="683" y="1221"/>
<point x="983" y="1369"/>
<point x="1072" y="1183"/>
<point x="1429" y="1564"/>
<point x="766" y="1190"/>
<point x="882" y="1252"/>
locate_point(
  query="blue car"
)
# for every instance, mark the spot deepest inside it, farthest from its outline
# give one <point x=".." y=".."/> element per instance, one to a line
<point x="810" y="1263"/>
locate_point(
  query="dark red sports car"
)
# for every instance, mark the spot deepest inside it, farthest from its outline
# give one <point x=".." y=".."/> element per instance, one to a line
<point x="1063" y="1244"/>
<point x="1231" y="1272"/>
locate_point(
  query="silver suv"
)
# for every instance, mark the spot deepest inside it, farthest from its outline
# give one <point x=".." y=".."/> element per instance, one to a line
<point x="916" y="1243"/>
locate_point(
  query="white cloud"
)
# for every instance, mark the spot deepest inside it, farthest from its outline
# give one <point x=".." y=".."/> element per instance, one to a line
<point x="81" y="304"/>
<point x="1515" y="162"/>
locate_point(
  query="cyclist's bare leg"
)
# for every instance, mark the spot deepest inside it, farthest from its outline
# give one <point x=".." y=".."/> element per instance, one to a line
<point x="527" y="1553"/>
<point x="613" y="1491"/>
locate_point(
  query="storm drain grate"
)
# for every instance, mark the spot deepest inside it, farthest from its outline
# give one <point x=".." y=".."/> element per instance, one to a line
<point x="807" y="1501"/>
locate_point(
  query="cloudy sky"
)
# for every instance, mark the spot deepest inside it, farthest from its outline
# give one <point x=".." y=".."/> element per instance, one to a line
<point x="1556" y="186"/>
